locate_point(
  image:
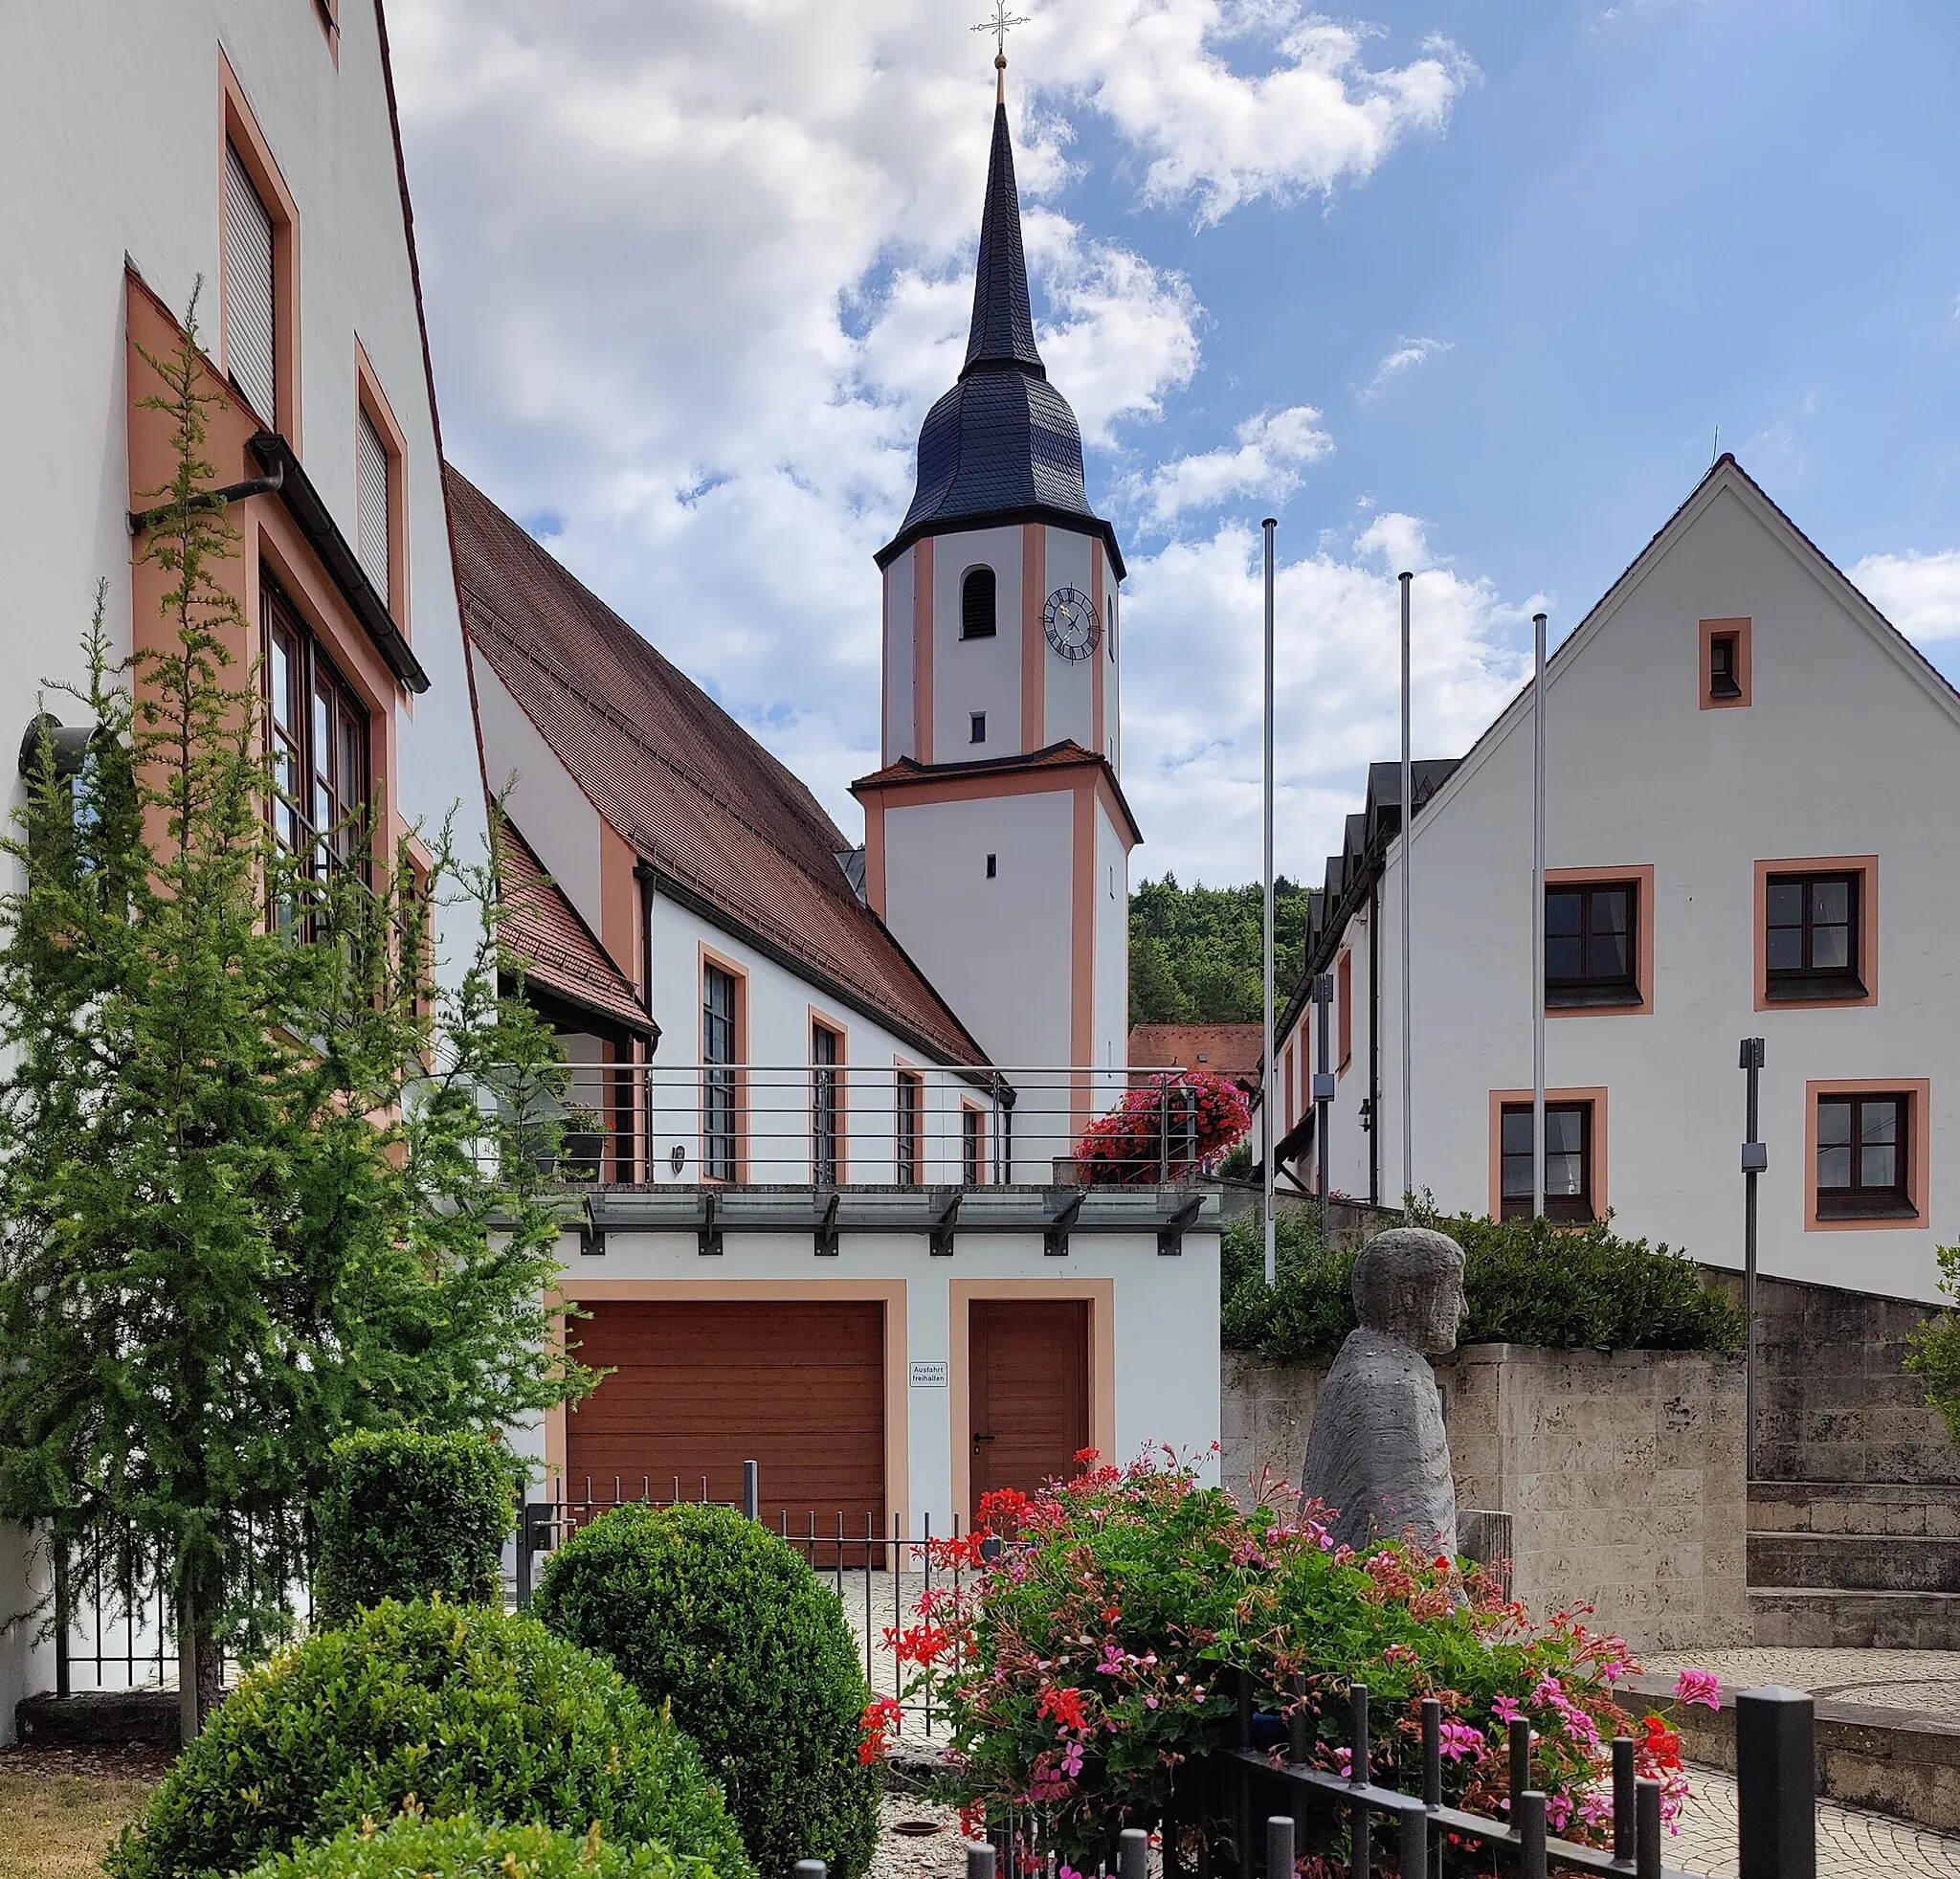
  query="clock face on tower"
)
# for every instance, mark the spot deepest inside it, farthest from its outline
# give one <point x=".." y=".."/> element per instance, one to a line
<point x="1070" y="621"/>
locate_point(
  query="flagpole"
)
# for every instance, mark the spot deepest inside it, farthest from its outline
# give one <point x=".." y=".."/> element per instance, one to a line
<point x="1538" y="916"/>
<point x="1408" y="855"/>
<point x="1268" y="1094"/>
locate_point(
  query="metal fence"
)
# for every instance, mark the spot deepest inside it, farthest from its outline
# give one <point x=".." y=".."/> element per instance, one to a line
<point x="843" y="1124"/>
<point x="878" y="1577"/>
<point x="113" y="1628"/>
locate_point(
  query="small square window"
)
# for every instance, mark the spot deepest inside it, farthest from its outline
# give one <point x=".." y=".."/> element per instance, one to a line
<point x="1864" y="1146"/>
<point x="976" y="726"/>
<point x="1810" y="936"/>
<point x="1568" y="1161"/>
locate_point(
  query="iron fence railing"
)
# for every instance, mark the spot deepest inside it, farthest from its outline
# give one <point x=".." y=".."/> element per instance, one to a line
<point x="845" y="1125"/>
<point x="878" y="1573"/>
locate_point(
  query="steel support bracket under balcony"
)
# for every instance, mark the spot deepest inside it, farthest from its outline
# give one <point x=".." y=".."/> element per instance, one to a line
<point x="827" y="1228"/>
<point x="708" y="1235"/>
<point x="1054" y="1234"/>
<point x="1171" y="1235"/>
<point x="942" y="1227"/>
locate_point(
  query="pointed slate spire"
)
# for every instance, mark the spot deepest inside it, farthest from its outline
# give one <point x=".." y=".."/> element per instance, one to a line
<point x="1003" y="329"/>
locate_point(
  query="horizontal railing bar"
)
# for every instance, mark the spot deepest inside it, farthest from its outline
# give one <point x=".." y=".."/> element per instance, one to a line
<point x="1483" y="1827"/>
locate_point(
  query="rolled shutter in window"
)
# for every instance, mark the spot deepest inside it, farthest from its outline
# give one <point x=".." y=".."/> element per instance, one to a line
<point x="248" y="294"/>
<point x="370" y="500"/>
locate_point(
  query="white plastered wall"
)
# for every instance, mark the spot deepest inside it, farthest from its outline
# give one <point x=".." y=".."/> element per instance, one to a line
<point x="1069" y="704"/>
<point x="976" y="675"/>
<point x="1844" y="751"/>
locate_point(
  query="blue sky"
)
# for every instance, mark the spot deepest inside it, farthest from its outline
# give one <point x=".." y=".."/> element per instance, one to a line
<point x="1462" y="286"/>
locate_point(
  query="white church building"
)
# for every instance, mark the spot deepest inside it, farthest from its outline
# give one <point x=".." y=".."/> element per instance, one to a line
<point x="832" y="1090"/>
<point x="1749" y="781"/>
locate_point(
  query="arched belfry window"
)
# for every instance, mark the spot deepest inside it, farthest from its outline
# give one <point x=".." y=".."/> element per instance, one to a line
<point x="976" y="604"/>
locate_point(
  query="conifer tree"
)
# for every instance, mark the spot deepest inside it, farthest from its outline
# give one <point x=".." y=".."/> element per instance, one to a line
<point x="265" y="1175"/>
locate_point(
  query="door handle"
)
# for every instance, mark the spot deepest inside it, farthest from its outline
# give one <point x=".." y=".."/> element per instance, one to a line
<point x="978" y="1439"/>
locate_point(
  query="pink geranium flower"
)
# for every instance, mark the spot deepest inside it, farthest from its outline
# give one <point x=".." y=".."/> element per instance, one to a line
<point x="1507" y="1710"/>
<point x="1702" y="1686"/>
<point x="1460" y="1739"/>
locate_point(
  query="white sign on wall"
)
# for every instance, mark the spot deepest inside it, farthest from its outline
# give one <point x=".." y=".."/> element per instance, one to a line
<point x="929" y="1373"/>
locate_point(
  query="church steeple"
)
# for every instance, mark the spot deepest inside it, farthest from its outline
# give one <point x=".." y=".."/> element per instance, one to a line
<point x="1002" y="445"/>
<point x="1003" y="329"/>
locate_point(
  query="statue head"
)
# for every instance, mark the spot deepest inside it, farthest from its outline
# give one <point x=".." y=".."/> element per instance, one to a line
<point x="1409" y="1283"/>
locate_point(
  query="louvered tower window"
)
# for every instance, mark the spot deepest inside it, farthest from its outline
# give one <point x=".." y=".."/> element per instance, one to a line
<point x="246" y="299"/>
<point x="370" y="501"/>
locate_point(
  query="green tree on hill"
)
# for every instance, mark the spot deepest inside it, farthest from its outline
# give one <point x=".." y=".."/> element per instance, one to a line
<point x="1195" y="952"/>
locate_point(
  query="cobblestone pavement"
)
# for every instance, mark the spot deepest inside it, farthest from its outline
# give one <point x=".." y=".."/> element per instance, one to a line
<point x="1924" y="1680"/>
<point x="1851" y="1844"/>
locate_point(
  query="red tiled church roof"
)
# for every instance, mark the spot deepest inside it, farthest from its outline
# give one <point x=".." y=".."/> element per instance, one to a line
<point x="1230" y="1050"/>
<point x="724" y="824"/>
<point x="557" y="947"/>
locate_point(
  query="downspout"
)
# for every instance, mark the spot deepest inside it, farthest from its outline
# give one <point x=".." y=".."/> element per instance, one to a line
<point x="1374" y="1033"/>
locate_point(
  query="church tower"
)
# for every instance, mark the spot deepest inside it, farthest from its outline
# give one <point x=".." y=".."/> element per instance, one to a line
<point x="996" y="836"/>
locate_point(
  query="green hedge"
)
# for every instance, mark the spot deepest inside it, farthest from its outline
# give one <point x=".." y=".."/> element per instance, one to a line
<point x="413" y="1847"/>
<point x="1526" y="1282"/>
<point x="701" y="1607"/>
<point x="408" y="1515"/>
<point x="467" y="1709"/>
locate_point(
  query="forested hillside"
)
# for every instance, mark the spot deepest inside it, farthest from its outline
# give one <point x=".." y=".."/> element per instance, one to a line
<point x="1195" y="951"/>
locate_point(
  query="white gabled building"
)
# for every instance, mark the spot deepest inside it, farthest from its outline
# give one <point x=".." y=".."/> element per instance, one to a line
<point x="1749" y="804"/>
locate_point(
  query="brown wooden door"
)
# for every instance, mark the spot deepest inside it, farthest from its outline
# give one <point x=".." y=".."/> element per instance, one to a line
<point x="697" y="1389"/>
<point x="1028" y="1362"/>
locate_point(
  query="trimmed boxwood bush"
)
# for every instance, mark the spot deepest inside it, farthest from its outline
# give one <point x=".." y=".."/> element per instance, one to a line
<point x="1525" y="1282"/>
<point x="468" y="1709"/>
<point x="706" y="1609"/>
<point x="465" y="1848"/>
<point x="408" y="1515"/>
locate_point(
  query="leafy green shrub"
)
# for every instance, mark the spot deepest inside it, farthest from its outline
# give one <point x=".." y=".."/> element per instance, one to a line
<point x="1099" y="1652"/>
<point x="408" y="1515"/>
<point x="467" y="1709"/>
<point x="1935" y="1348"/>
<point x="1526" y="1282"/>
<point x="465" y="1848"/>
<point x="705" y="1609"/>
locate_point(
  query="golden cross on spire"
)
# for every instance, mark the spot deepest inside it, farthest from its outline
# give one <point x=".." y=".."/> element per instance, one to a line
<point x="999" y="26"/>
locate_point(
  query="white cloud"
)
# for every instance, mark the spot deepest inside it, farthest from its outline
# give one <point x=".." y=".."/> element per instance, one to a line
<point x="1265" y="461"/>
<point x="1918" y="594"/>
<point x="1311" y="113"/>
<point x="695" y="274"/>
<point x="1408" y="354"/>
<point x="1192" y="711"/>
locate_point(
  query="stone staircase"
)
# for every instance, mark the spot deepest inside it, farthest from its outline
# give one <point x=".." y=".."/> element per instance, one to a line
<point x="1848" y="1565"/>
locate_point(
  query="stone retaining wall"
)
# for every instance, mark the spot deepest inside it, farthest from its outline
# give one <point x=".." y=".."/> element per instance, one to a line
<point x="1622" y="1472"/>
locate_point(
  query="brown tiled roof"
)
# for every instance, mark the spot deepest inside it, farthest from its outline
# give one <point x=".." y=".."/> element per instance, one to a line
<point x="726" y="825"/>
<point x="558" y="950"/>
<point x="1231" y="1050"/>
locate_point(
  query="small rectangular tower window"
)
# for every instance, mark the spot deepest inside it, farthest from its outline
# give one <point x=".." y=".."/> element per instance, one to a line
<point x="991" y="868"/>
<point x="1725" y="664"/>
<point x="977" y="722"/>
<point x="976" y="604"/>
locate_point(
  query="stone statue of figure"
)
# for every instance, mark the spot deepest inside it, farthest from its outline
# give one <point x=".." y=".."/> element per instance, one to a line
<point x="1378" y="1457"/>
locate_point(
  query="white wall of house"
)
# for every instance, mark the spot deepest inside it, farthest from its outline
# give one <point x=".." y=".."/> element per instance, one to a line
<point x="975" y="674"/>
<point x="1849" y="747"/>
<point x="778" y="1012"/>
<point x="1166" y="1379"/>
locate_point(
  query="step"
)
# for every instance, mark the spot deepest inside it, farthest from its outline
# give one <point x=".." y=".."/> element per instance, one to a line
<point x="1803" y="1618"/>
<point x="1930" y="1509"/>
<point x="1854" y="1562"/>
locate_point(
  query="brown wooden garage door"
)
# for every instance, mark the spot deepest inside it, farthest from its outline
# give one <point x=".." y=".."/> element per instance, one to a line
<point x="699" y="1388"/>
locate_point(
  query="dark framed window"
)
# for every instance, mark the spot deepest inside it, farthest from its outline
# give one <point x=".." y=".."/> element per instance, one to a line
<point x="719" y="1141"/>
<point x="1568" y="1161"/>
<point x="1810" y="936"/>
<point x="318" y="730"/>
<point x="1862" y="1147"/>
<point x="911" y="1088"/>
<point x="972" y="1145"/>
<point x="823" y="1106"/>
<point x="1590" y="944"/>
<point x="1725" y="665"/>
<point x="976" y="726"/>
<point x="976" y="604"/>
